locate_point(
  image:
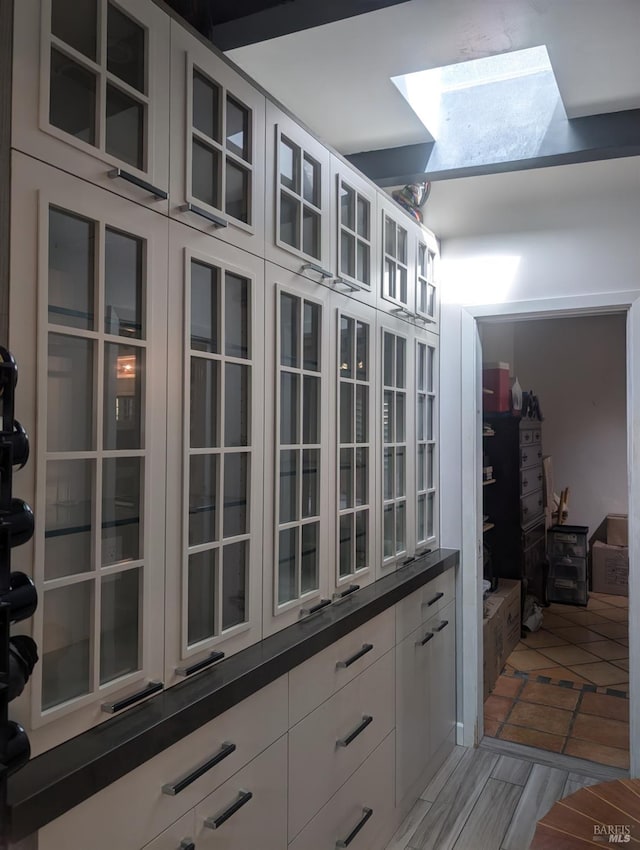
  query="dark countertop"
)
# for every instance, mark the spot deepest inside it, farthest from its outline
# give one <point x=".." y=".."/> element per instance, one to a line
<point x="63" y="777"/>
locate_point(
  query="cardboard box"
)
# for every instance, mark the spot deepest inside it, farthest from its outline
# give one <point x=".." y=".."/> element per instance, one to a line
<point x="609" y="569"/>
<point x="492" y="637"/>
<point x="617" y="530"/>
<point x="509" y="591"/>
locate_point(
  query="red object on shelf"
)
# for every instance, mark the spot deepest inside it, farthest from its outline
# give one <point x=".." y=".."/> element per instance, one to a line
<point x="495" y="377"/>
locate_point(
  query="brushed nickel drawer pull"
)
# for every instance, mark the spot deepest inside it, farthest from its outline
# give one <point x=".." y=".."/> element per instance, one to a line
<point x="314" y="267"/>
<point x="366" y="647"/>
<point x="136" y="181"/>
<point x="366" y="814"/>
<point x="216" y="823"/>
<point x="171" y="789"/>
<point x="344" y="742"/>
<point x="212" y="217"/>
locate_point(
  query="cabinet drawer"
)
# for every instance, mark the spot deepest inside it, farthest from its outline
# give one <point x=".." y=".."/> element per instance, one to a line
<point x="178" y="837"/>
<point x="317" y="679"/>
<point x="530" y="480"/>
<point x="530" y="436"/>
<point x="531" y="507"/>
<point x="143" y="809"/>
<point x="250" y="810"/>
<point x="416" y="609"/>
<point x="332" y="742"/>
<point x="530" y="456"/>
<point x="370" y="789"/>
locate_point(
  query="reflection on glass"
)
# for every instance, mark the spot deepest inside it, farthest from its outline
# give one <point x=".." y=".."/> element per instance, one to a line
<point x="402" y="245"/>
<point x="311" y="410"/>
<point x="400" y="417"/>
<point x="422" y="296"/>
<point x="346" y="545"/>
<point x="71" y="270"/>
<point x="309" y="572"/>
<point x="236" y="311"/>
<point x="68" y="518"/>
<point x="422" y="365"/>
<point x="206" y="98"/>
<point x="422" y="431"/>
<point x="288" y="408"/>
<point x="204" y="403"/>
<point x="203" y="497"/>
<point x="346" y="412"/>
<point x="362" y="263"/>
<point x="422" y="258"/>
<point x="120" y="625"/>
<point x="121" y="509"/>
<point x="288" y="486"/>
<point x="400" y="472"/>
<point x="72" y="99"/>
<point x="431" y="362"/>
<point x="431" y="530"/>
<point x="389" y="359"/>
<point x="347" y="206"/>
<point x="234" y="584"/>
<point x="401" y="525"/>
<point x="287" y="548"/>
<point x="67" y="639"/>
<point x="421" y="462"/>
<point x="362" y="413"/>
<point x="389" y="541"/>
<point x="390" y="278"/>
<point x="363" y="217"/>
<point x="205" y="174"/>
<point x="289" y="330"/>
<point x="362" y="476"/>
<point x="289" y="220"/>
<point x="70" y="394"/>
<point x="346" y="347"/>
<point x="431" y="300"/>
<point x="401" y="346"/>
<point x="125" y="48"/>
<point x="311" y="180"/>
<point x="389" y="236"/>
<point x="123" y="258"/>
<point x="236" y="485"/>
<point x="362" y="351"/>
<point x="125" y="127"/>
<point x="123" y="397"/>
<point x="346" y="478"/>
<point x="289" y="165"/>
<point x="202" y="595"/>
<point x="237" y="128"/>
<point x="430" y="403"/>
<point x="237" y="192"/>
<point x="430" y="466"/>
<point x="362" y="540"/>
<point x="388" y="474"/>
<point x="387" y="416"/>
<point x="422" y="518"/>
<point x="311" y="328"/>
<point x="204" y="307"/>
<point x="310" y="482"/>
<point x="75" y="22"/>
<point x="236" y="405"/>
<point x="402" y="294"/>
<point x="311" y="233"/>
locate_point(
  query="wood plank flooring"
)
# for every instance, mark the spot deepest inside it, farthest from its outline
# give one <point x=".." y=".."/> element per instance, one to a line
<point x="492" y="797"/>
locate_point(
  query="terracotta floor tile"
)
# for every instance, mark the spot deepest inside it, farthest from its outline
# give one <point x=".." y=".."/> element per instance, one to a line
<point x="532" y="738"/>
<point x="597" y="752"/>
<point x="597" y="602"/>
<point x="541" y="717"/>
<point x="601" y="730"/>
<point x="602" y="705"/>
<point x="611" y="630"/>
<point x="520" y="646"/>
<point x="610" y="650"/>
<point x="623" y="641"/>
<point x="620" y="615"/>
<point x="580" y="634"/>
<point x="541" y="638"/>
<point x="601" y="673"/>
<point x="568" y="655"/>
<point x="556" y="673"/>
<point x="582" y="617"/>
<point x="527" y="660"/>
<point x="507" y="686"/>
<point x="623" y="663"/>
<point x="497" y="708"/>
<point x="551" y="695"/>
<point x="550" y="621"/>
<point x="491" y="727"/>
<point x="618" y="601"/>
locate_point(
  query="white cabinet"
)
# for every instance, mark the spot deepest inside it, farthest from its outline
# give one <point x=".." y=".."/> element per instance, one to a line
<point x="398" y="254"/>
<point x="427" y="290"/>
<point x="442" y="695"/>
<point x="427" y="441"/>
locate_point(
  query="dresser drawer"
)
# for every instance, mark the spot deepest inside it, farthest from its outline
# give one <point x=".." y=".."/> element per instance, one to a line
<point x="332" y="742"/>
<point x="530" y="480"/>
<point x="530" y="436"/>
<point x="142" y="809"/>
<point x="248" y="812"/>
<point x="317" y="679"/>
<point x="416" y="609"/>
<point x="531" y="507"/>
<point x="530" y="456"/>
<point x="364" y="803"/>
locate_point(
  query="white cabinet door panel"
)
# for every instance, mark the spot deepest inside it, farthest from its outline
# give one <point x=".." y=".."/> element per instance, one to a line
<point x="178" y="837"/>
<point x="429" y="600"/>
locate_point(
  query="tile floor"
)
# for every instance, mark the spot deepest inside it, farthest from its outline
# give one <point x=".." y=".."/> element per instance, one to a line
<point x="564" y="688"/>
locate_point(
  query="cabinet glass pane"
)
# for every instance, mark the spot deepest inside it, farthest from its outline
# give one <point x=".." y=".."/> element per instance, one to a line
<point x="431" y="529"/>
<point x="125" y="127"/>
<point x="346" y="347"/>
<point x="236" y="311"/>
<point x="68" y="518"/>
<point x="234" y="584"/>
<point x="402" y="286"/>
<point x="123" y="284"/>
<point x="72" y="101"/>
<point x="422" y="517"/>
<point x="362" y="351"/>
<point x="347" y="206"/>
<point x="346" y="413"/>
<point x="121" y="509"/>
<point x="402" y="245"/>
<point x="430" y="402"/>
<point x="238" y="129"/>
<point x="421" y="424"/>
<point x="311" y="233"/>
<point x="348" y="254"/>
<point x="288" y="408"/>
<point x="289" y="330"/>
<point x="431" y="361"/>
<point x="430" y="467"/>
<point x="204" y="308"/>
<point x="346" y="545"/>
<point x="205" y="174"/>
<point x="204" y="403"/>
<point x="362" y="413"/>
<point x="389" y="236"/>
<point x="346" y="478"/>
<point x="311" y="410"/>
<point x="75" y="22"/>
<point x="311" y="337"/>
<point x="67" y="630"/>
<point x="400" y="361"/>
<point x="362" y="476"/>
<point x="310" y="482"/>
<point x="422" y="260"/>
<point x="431" y="300"/>
<point x="126" y="49"/>
<point x="422" y="296"/>
<point x="237" y="192"/>
<point x="202" y="593"/>
<point x="236" y="405"/>
<point x="289" y="220"/>
<point x="235" y="519"/>
<point x="363" y="217"/>
<point x="400" y="472"/>
<point x="120" y="625"/>
<point x="70" y="400"/>
<point x="71" y="270"/>
<point x="390" y="278"/>
<point x="123" y="397"/>
<point x="290" y="165"/>
<point x="400" y="417"/>
<point x="362" y="263"/>
<point x="309" y="571"/>
<point x="388" y="474"/>
<point x="288" y="486"/>
<point x="421" y="462"/>
<point x="311" y="181"/>
<point x="362" y="540"/>
<point x="206" y="106"/>
<point x="287" y="548"/>
<point x="389" y="542"/>
<point x="389" y="359"/>
<point x="387" y="416"/>
<point x="401" y="523"/>
<point x="203" y="497"/>
<point x="422" y="366"/>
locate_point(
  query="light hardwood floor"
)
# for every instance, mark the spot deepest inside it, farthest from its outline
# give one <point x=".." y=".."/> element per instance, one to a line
<point x="491" y="798"/>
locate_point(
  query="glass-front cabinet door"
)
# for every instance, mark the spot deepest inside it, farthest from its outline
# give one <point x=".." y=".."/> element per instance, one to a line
<point x="214" y="519"/>
<point x="427" y="294"/>
<point x="99" y="488"/>
<point x="427" y="441"/>
<point x="397" y="260"/>
<point x="217" y="143"/>
<point x="93" y="98"/>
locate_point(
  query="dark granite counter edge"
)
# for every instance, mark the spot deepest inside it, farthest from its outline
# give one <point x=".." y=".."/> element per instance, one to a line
<point x="63" y="777"/>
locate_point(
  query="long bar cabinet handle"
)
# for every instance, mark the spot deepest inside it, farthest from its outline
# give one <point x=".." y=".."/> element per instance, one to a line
<point x="314" y="267"/>
<point x="366" y="647"/>
<point x="118" y="705"/>
<point x="216" y="823"/>
<point x="200" y="665"/>
<point x="176" y="787"/>
<point x="425" y="639"/>
<point x="442" y="625"/>
<point x="344" y="742"/>
<point x="345" y="842"/>
<point x="212" y="217"/>
<point x="435" y="599"/>
<point x="136" y="181"/>
<point x="304" y="612"/>
<point x="342" y="594"/>
<point x="187" y="844"/>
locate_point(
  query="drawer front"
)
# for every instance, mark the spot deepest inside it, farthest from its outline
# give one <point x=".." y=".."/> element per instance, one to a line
<point x="533" y="536"/>
<point x="311" y="683"/>
<point x="531" y="507"/>
<point x="530" y="456"/>
<point x="530" y="436"/>
<point x="178" y="837"/>
<point x="332" y="742"/>
<point x="573" y="568"/>
<point x="370" y="789"/>
<point x="530" y="480"/>
<point x="416" y="609"/>
<point x="143" y="809"/>
<point x="250" y="810"/>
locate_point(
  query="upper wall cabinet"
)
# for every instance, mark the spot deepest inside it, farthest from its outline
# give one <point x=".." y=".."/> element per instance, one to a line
<point x="397" y="259"/>
<point x="297" y="208"/>
<point x="93" y="83"/>
<point x="217" y="145"/>
<point x="427" y="307"/>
